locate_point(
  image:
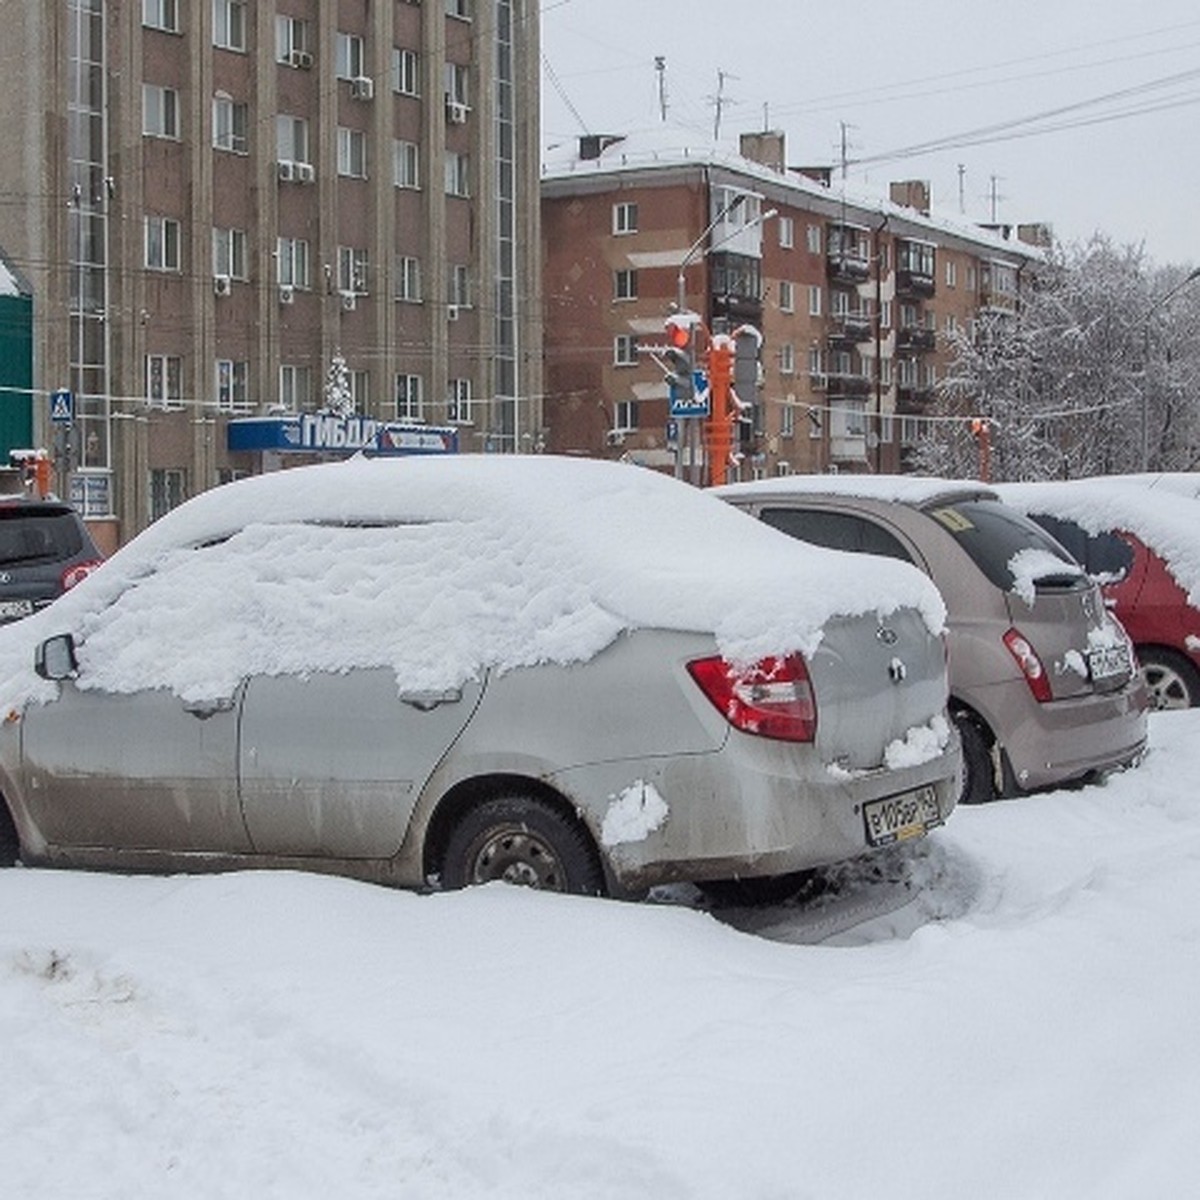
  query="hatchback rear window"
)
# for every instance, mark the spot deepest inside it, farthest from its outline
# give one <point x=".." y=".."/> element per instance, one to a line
<point x="30" y="537"/>
<point x="994" y="534"/>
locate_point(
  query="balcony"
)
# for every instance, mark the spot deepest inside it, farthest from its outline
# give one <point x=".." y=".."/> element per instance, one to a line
<point x="914" y="284"/>
<point x="848" y="385"/>
<point x="851" y="329"/>
<point x="916" y="339"/>
<point x="842" y="267"/>
<point x="912" y="399"/>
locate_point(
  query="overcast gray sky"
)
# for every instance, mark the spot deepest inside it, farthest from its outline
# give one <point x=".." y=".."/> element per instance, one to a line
<point x="1116" y="83"/>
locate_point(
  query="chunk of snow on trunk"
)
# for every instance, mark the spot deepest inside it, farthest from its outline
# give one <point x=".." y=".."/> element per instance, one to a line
<point x="634" y="814"/>
<point x="921" y="744"/>
<point x="1029" y="565"/>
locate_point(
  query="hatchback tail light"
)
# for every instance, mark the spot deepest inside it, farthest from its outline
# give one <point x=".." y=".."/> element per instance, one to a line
<point x="1031" y="666"/>
<point x="77" y="572"/>
<point x="773" y="698"/>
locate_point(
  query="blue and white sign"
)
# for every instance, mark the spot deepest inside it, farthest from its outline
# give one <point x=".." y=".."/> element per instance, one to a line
<point x="62" y="406"/>
<point x="329" y="433"/>
<point x="697" y="405"/>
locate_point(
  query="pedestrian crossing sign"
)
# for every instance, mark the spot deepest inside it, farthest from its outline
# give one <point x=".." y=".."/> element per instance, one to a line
<point x="62" y="407"/>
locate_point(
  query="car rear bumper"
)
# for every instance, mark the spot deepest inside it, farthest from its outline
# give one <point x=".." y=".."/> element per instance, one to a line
<point x="744" y="812"/>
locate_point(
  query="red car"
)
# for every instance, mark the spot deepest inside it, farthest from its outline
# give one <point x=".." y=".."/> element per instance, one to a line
<point x="1143" y="547"/>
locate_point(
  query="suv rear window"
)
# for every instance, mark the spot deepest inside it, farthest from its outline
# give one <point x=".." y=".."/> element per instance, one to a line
<point x="31" y="536"/>
<point x="835" y="530"/>
<point x="993" y="534"/>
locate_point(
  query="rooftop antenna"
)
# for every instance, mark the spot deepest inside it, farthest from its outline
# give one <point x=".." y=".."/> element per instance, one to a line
<point x="962" y="200"/>
<point x="719" y="102"/>
<point x="660" y="68"/>
<point x="994" y="198"/>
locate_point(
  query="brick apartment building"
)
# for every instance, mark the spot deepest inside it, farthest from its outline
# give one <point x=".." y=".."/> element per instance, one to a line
<point x="854" y="297"/>
<point x="212" y="199"/>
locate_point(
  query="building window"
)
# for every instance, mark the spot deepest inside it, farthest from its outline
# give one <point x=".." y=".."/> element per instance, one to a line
<point x="408" y="278"/>
<point x="406" y="164"/>
<point x="458" y="78"/>
<point x="625" y="416"/>
<point x="625" y="350"/>
<point x="625" y="217"/>
<point x="293" y="41"/>
<point x="787" y="420"/>
<point x="349" y="56"/>
<point x="787" y="233"/>
<point x="458" y="401"/>
<point x="816" y="363"/>
<point x="232" y="381"/>
<point x="352" y="153"/>
<point x="162" y="244"/>
<point x="292" y="260"/>
<point x="360" y="390"/>
<point x="164" y="380"/>
<point x="406" y="71"/>
<point x="458" y="174"/>
<point x="161" y="14"/>
<point x="885" y="372"/>
<point x="459" y="8"/>
<point x="787" y="358"/>
<point x="168" y="490"/>
<point x="885" y="314"/>
<point x="229" y="24"/>
<point x="352" y="270"/>
<point x="230" y="124"/>
<point x="459" y="285"/>
<point x="291" y="138"/>
<point x="409" y="397"/>
<point x="951" y="274"/>
<point x="625" y="284"/>
<point x="295" y="386"/>
<point x="951" y="324"/>
<point x="160" y="111"/>
<point x="813" y="239"/>
<point x="814" y="300"/>
<point x="229" y="253"/>
<point x="787" y="296"/>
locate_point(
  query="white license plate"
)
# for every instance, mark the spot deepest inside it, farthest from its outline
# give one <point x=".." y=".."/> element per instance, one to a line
<point x="898" y="818"/>
<point x="1106" y="661"/>
<point x="10" y="610"/>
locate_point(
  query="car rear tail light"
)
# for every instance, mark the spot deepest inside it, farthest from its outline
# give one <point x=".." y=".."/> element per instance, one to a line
<point x="78" y="572"/>
<point x="773" y="698"/>
<point x="1030" y="664"/>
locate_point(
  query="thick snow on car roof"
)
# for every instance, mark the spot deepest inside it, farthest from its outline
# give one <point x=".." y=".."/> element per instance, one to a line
<point x="916" y="490"/>
<point x="1164" y="520"/>
<point x="441" y="568"/>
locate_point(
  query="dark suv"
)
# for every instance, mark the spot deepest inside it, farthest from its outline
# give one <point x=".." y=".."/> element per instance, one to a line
<point x="45" y="549"/>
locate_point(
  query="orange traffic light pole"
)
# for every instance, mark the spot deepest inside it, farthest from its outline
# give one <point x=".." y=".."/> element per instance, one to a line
<point x="722" y="411"/>
<point x="981" y="427"/>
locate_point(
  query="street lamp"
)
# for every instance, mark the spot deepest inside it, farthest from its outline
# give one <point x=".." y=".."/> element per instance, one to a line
<point x="1168" y="295"/>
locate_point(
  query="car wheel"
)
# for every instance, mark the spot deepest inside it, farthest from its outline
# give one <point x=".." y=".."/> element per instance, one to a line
<point x="523" y="840"/>
<point x="979" y="778"/>
<point x="1172" y="680"/>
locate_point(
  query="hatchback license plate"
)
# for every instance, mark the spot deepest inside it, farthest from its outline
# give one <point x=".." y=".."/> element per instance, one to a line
<point x="10" y="610"/>
<point x="898" y="818"/>
<point x="1106" y="661"/>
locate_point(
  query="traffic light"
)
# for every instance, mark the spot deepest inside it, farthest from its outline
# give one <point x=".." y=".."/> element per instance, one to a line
<point x="680" y="359"/>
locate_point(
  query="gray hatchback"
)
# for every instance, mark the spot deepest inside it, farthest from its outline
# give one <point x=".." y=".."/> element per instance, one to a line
<point x="457" y="670"/>
<point x="1044" y="688"/>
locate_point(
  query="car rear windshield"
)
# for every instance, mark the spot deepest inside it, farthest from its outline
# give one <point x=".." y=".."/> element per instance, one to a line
<point x="34" y="536"/>
<point x="994" y="534"/>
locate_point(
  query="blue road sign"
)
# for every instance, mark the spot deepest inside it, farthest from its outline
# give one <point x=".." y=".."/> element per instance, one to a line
<point x="62" y="406"/>
<point x="697" y="404"/>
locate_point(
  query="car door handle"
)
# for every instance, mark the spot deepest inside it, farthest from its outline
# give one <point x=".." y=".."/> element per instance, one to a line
<point x="203" y="709"/>
<point x="428" y="701"/>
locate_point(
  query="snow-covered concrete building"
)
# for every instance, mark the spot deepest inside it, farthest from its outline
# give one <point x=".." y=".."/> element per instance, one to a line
<point x="854" y="295"/>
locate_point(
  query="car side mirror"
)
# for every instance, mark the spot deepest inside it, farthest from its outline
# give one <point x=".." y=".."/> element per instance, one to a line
<point x="55" y="658"/>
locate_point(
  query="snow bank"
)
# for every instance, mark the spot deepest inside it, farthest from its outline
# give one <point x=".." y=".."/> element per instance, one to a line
<point x="1164" y="520"/>
<point x="440" y="569"/>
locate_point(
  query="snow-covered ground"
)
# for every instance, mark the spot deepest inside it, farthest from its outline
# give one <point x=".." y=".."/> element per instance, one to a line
<point x="1027" y="1025"/>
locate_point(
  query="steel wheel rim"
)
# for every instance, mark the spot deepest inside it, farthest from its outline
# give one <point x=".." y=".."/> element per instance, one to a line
<point x="515" y="854"/>
<point x="1167" y="687"/>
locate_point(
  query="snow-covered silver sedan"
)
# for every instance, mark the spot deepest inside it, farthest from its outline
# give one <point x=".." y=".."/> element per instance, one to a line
<point x="576" y="675"/>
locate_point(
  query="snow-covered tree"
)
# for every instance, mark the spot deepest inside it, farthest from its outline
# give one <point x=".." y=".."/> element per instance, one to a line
<point x="1100" y="344"/>
<point x="339" y="395"/>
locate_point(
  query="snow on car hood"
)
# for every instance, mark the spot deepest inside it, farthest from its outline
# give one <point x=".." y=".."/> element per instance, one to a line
<point x="916" y="490"/>
<point x="442" y="568"/>
<point x="1165" y="521"/>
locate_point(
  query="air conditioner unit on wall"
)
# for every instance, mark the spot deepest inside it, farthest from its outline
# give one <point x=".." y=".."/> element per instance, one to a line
<point x="305" y="172"/>
<point x="287" y="170"/>
<point x="362" y="87"/>
<point x="349" y="302"/>
<point x="301" y="59"/>
<point x="456" y="113"/>
<point x="452" y="312"/>
<point x="222" y="285"/>
<point x="287" y="294"/>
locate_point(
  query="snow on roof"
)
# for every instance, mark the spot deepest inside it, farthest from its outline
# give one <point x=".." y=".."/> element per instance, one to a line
<point x="1163" y="520"/>
<point x="903" y="489"/>
<point x="442" y="568"/>
<point x="668" y="146"/>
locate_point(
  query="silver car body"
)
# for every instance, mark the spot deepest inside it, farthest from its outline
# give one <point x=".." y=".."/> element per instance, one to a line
<point x="357" y="772"/>
<point x="1085" y="724"/>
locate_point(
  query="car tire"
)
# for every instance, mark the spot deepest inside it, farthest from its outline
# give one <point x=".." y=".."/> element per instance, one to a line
<point x="523" y="840"/>
<point x="979" y="777"/>
<point x="1171" y="680"/>
<point x="10" y="844"/>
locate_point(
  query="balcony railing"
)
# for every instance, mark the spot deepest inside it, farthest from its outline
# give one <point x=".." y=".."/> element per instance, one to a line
<point x="851" y="328"/>
<point x="915" y="338"/>
<point x="848" y="385"/>
<point x="914" y="283"/>
<point x="912" y="398"/>
<point x="847" y="268"/>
